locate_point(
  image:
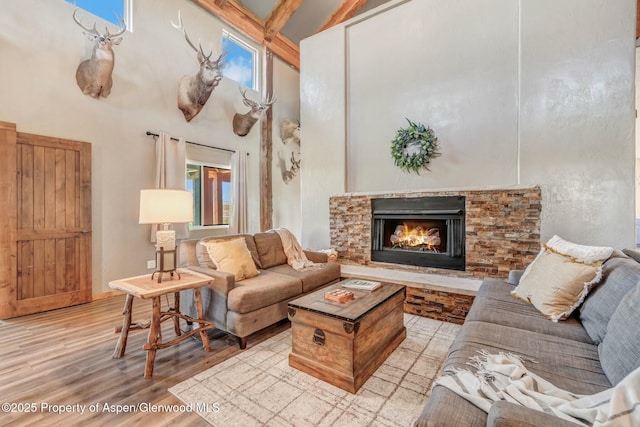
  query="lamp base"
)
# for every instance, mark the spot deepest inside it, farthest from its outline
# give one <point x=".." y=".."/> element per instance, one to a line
<point x="165" y="263"/>
<point x="162" y="272"/>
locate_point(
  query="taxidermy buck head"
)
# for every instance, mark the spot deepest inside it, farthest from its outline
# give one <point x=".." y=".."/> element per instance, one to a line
<point x="94" y="74"/>
<point x="194" y="91"/>
<point x="290" y="131"/>
<point x="288" y="175"/>
<point x="242" y="123"/>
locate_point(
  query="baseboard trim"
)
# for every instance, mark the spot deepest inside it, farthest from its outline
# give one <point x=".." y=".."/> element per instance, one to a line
<point x="105" y="295"/>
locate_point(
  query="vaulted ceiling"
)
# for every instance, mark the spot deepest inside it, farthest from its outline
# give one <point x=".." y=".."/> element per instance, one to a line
<point x="279" y="25"/>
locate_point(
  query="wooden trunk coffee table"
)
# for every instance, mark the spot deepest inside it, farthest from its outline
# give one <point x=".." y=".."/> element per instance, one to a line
<point x="344" y="343"/>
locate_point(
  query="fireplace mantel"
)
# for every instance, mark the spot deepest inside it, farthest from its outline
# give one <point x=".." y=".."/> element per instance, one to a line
<point x="502" y="228"/>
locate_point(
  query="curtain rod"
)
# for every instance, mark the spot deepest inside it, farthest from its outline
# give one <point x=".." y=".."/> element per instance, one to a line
<point x="195" y="143"/>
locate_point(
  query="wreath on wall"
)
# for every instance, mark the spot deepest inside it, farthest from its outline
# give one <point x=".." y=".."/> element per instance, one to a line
<point x="414" y="147"/>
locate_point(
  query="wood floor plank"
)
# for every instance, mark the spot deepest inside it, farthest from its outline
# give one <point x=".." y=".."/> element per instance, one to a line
<point x="63" y="357"/>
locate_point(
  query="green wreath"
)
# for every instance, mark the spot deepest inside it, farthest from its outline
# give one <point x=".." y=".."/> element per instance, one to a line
<point x="414" y="147"/>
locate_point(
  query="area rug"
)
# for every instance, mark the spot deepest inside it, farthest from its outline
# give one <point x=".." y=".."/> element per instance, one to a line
<point x="258" y="387"/>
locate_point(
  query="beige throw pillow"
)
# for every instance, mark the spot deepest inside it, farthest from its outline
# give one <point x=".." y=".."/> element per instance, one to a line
<point x="557" y="284"/>
<point x="558" y="280"/>
<point x="232" y="256"/>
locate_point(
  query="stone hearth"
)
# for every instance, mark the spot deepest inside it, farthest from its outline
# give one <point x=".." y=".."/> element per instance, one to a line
<point x="502" y="229"/>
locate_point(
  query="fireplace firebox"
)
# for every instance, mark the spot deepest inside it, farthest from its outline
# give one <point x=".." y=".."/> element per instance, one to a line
<point x="422" y="231"/>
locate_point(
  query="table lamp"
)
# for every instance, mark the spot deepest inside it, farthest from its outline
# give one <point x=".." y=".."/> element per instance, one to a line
<point x="165" y="206"/>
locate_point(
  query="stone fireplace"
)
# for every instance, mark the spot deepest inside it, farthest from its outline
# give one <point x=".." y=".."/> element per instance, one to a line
<point x="501" y="230"/>
<point x="422" y="231"/>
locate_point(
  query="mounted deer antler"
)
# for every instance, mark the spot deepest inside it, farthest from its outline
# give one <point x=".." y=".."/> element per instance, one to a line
<point x="242" y="123"/>
<point x="288" y="175"/>
<point x="94" y="74"/>
<point x="194" y="91"/>
<point x="290" y="131"/>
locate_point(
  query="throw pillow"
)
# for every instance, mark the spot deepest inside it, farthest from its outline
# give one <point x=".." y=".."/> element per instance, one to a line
<point x="269" y="247"/>
<point x="560" y="277"/>
<point x="620" y="350"/>
<point x="202" y="254"/>
<point x="619" y="276"/>
<point x="632" y="253"/>
<point x="232" y="256"/>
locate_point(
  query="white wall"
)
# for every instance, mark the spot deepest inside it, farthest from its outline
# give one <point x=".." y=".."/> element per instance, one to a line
<point x="286" y="196"/>
<point x="518" y="93"/>
<point x="41" y="47"/>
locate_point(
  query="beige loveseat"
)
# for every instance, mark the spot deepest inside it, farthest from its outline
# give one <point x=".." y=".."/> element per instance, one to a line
<point x="246" y="306"/>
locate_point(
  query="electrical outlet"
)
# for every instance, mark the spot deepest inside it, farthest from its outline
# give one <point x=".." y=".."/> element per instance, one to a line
<point x="151" y="264"/>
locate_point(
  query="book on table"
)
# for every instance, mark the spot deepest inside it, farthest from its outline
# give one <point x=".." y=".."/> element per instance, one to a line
<point x="361" y="285"/>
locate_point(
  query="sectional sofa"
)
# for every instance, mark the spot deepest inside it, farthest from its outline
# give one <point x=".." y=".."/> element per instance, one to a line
<point x="589" y="352"/>
<point x="242" y="307"/>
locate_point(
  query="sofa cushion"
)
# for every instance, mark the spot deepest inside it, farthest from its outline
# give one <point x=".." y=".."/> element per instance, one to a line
<point x="571" y="365"/>
<point x="493" y="304"/>
<point x="328" y="273"/>
<point x="232" y="256"/>
<point x="620" y="348"/>
<point x="204" y="260"/>
<point x="619" y="276"/>
<point x="262" y="290"/>
<point x="556" y="284"/>
<point x="269" y="248"/>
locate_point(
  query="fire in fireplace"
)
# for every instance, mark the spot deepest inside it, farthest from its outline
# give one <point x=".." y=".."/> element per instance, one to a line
<point x="425" y="231"/>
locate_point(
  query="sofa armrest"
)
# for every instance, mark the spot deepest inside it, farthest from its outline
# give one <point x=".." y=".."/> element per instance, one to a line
<point x="507" y="414"/>
<point x="514" y="277"/>
<point x="316" y="256"/>
<point x="223" y="282"/>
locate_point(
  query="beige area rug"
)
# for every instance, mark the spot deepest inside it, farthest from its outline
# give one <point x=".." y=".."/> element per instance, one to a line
<point x="258" y="387"/>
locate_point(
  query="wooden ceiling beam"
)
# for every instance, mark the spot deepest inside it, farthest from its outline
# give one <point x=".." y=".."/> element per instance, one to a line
<point x="279" y="16"/>
<point x="244" y="20"/>
<point x="347" y="10"/>
<point x="286" y="50"/>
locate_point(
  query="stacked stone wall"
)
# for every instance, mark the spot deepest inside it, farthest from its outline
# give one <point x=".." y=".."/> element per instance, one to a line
<point x="502" y="229"/>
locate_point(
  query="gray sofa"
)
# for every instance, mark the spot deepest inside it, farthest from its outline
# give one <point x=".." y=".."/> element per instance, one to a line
<point x="243" y="307"/>
<point x="589" y="352"/>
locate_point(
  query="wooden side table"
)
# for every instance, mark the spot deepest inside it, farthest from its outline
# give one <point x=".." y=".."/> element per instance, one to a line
<point x="145" y="287"/>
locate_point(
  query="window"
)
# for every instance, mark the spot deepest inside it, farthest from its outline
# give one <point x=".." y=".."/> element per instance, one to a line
<point x="241" y="61"/>
<point x="211" y="189"/>
<point x="109" y="10"/>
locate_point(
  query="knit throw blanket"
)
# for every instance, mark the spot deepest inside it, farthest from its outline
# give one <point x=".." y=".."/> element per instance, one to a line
<point x="295" y="255"/>
<point x="504" y="377"/>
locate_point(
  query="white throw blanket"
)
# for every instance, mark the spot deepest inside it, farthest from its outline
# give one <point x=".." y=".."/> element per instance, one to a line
<point x="504" y="377"/>
<point x="295" y="255"/>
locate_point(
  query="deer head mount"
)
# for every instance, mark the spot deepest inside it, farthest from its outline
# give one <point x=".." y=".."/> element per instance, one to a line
<point x="289" y="174"/>
<point x="94" y="74"/>
<point x="242" y="123"/>
<point x="290" y="131"/>
<point x="194" y="91"/>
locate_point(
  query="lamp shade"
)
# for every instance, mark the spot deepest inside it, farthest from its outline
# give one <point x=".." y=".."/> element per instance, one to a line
<point x="162" y="206"/>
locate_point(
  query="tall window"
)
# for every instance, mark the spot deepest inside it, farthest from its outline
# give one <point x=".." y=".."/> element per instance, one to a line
<point x="211" y="189"/>
<point x="109" y="10"/>
<point x="241" y="61"/>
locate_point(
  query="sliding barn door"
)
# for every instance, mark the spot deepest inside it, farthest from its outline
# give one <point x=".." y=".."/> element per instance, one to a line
<point x="45" y="238"/>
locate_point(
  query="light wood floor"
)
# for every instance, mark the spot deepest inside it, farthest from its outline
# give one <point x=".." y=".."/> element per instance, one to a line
<point x="63" y="357"/>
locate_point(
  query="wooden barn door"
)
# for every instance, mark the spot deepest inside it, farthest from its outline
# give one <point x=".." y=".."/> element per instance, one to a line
<point x="45" y="237"/>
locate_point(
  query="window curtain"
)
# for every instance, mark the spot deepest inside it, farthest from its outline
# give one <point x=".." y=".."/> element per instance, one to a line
<point x="239" y="222"/>
<point x="170" y="173"/>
